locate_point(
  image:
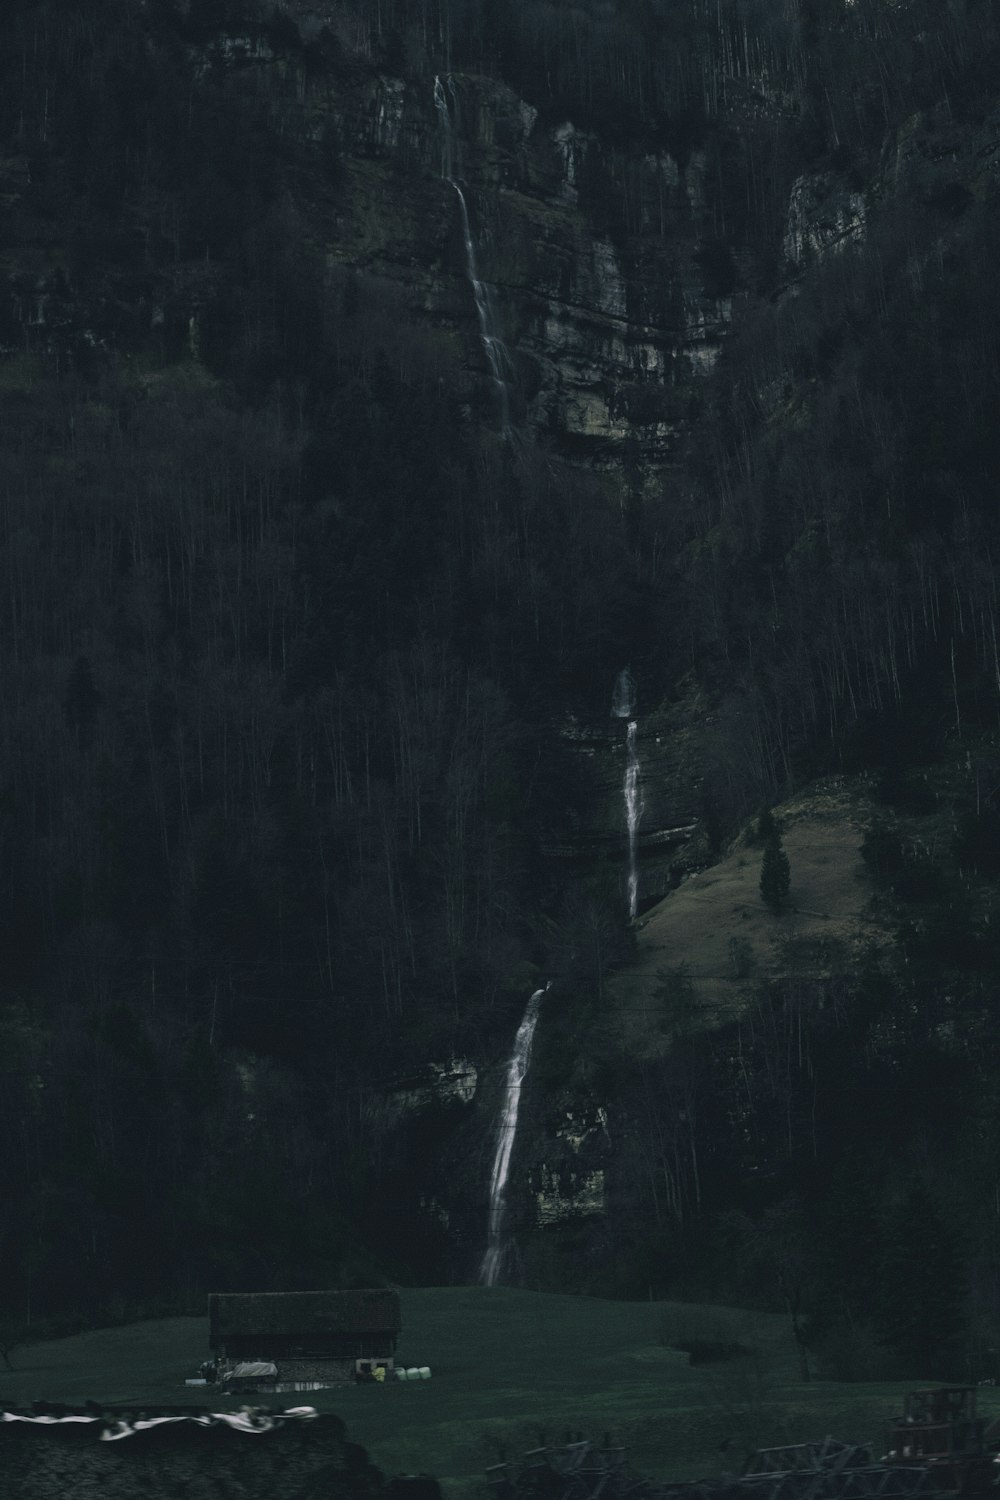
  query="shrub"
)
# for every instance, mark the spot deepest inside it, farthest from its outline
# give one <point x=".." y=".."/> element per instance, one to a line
<point x="711" y="1351"/>
<point x="703" y="1345"/>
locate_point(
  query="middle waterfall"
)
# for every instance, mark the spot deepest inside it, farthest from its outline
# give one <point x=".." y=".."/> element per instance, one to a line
<point x="623" y="707"/>
<point x="493" y="346"/>
<point x="633" y="812"/>
<point x="498" y="1242"/>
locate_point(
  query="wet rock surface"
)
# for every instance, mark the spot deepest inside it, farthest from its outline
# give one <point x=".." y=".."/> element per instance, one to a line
<point x="669" y="780"/>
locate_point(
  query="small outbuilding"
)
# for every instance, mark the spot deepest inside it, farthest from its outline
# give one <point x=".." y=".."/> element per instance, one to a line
<point x="305" y="1338"/>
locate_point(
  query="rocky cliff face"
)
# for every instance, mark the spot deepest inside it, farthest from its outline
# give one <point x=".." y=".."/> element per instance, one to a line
<point x="611" y="269"/>
<point x="669" y="837"/>
<point x="591" y="251"/>
<point x="615" y="269"/>
<point x="570" y="1183"/>
<point x="590" y="254"/>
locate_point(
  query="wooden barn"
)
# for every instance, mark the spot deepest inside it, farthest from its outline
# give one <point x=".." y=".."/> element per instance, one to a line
<point x="303" y="1337"/>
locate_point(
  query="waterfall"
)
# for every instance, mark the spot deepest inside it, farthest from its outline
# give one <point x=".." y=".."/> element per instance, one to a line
<point x="623" y="696"/>
<point x="447" y="141"/>
<point x="633" y="812"/>
<point x="497" y="1243"/>
<point x="493" y="345"/>
<point x="623" y="707"/>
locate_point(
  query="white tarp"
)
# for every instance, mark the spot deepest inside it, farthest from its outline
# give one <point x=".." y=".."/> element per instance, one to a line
<point x="247" y="1420"/>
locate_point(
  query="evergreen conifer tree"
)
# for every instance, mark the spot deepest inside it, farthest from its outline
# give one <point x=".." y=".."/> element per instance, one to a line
<point x="775" y="871"/>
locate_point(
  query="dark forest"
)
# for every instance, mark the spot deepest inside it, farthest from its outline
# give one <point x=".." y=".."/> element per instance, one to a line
<point x="288" y="628"/>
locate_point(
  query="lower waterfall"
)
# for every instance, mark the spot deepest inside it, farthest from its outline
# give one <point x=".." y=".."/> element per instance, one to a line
<point x="498" y="1242"/>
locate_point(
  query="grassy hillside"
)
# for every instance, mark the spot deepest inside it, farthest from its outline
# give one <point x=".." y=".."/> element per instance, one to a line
<point x="717" y="929"/>
<point x="512" y="1369"/>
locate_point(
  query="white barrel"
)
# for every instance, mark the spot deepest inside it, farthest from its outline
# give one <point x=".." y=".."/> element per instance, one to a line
<point x="413" y="1373"/>
<point x="400" y="1373"/>
<point x="425" y="1372"/>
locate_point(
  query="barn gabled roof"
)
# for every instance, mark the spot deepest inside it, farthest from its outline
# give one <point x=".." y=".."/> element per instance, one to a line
<point x="290" y="1313"/>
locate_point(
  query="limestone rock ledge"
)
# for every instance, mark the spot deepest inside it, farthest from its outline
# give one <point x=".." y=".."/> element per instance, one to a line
<point x="570" y="1182"/>
<point x="451" y="1083"/>
<point x="590" y="254"/>
<point x="591" y="251"/>
<point x="824" y="215"/>
<point x="561" y="1196"/>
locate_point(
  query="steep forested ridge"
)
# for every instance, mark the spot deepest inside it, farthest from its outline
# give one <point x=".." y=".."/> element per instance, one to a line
<point x="277" y="630"/>
<point x="287" y="628"/>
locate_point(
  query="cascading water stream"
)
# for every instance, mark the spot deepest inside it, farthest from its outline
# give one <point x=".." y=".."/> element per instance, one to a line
<point x="493" y="346"/>
<point x="633" y="812"/>
<point x="497" y="1242"/>
<point x="447" y="144"/>
<point x="622" y="707"/>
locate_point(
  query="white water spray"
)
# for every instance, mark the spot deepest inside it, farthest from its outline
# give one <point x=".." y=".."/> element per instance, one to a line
<point x="497" y="1242"/>
<point x="493" y="346"/>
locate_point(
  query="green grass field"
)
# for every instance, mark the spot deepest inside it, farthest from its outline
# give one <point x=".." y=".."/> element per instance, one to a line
<point x="511" y="1370"/>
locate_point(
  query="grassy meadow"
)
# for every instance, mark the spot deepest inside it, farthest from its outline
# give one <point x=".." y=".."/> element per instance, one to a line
<point x="513" y="1369"/>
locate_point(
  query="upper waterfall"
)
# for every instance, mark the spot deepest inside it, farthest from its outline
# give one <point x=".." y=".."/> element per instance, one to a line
<point x="494" y="348"/>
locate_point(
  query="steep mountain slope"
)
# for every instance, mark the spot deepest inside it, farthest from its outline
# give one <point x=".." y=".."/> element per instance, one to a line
<point x="308" y="637"/>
